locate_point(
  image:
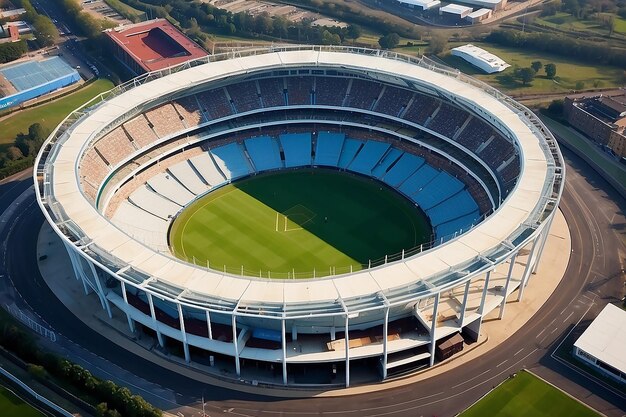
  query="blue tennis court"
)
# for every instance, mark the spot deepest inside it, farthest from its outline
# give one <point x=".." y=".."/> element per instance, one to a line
<point x="27" y="75"/>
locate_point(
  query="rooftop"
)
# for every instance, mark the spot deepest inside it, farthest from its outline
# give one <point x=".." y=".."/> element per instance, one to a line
<point x="605" y="338"/>
<point x="455" y="9"/>
<point x="480" y="54"/>
<point x="155" y="44"/>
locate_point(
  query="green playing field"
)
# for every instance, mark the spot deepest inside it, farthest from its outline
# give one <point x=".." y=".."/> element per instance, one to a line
<point x="297" y="221"/>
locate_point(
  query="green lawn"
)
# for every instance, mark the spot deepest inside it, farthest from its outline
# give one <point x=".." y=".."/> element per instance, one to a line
<point x="569" y="72"/>
<point x="12" y="406"/>
<point x="50" y="114"/>
<point x="566" y="21"/>
<point x="527" y="395"/>
<point x="298" y="220"/>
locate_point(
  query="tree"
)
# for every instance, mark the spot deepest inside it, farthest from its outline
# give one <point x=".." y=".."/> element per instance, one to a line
<point x="556" y="108"/>
<point x="330" y="38"/>
<point x="525" y="75"/>
<point x="353" y="32"/>
<point x="45" y="31"/>
<point x="536" y="66"/>
<point x="14" y="153"/>
<point x="550" y="70"/>
<point x="389" y="41"/>
<point x="438" y="43"/>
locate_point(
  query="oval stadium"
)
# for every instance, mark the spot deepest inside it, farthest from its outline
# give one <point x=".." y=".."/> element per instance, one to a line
<point x="305" y="212"/>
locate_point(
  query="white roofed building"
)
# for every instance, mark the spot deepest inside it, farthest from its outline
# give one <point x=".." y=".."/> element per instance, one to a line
<point x="479" y="15"/>
<point x="456" y="9"/>
<point x="480" y="58"/>
<point x="489" y="4"/>
<point x="422" y="4"/>
<point x="602" y="344"/>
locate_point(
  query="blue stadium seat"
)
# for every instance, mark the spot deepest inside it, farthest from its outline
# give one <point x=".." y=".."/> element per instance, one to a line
<point x="438" y="190"/>
<point x="328" y="148"/>
<point x="458" y="205"/>
<point x="231" y="160"/>
<point x="297" y="149"/>
<point x="392" y="156"/>
<point x="419" y="179"/>
<point x="264" y="153"/>
<point x="368" y="157"/>
<point x="447" y="230"/>
<point x="406" y="165"/>
<point x="350" y="148"/>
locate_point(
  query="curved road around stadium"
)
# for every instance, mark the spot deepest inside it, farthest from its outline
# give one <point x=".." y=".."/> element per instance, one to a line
<point x="594" y="277"/>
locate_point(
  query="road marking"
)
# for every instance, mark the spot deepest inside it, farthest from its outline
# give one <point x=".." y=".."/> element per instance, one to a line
<point x="468" y="380"/>
<point x="516" y="353"/>
<point x="542" y="330"/>
<point x="568" y="317"/>
<point x="501" y="363"/>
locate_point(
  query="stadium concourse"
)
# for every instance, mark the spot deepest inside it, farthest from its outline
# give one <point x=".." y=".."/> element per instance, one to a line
<point x="485" y="171"/>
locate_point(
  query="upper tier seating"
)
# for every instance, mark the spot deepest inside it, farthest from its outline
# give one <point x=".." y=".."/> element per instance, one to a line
<point x="244" y="96"/>
<point x="421" y="109"/>
<point x="205" y="166"/>
<point x="272" y="92"/>
<point x="350" y="148"/>
<point x="140" y="131"/>
<point x="215" y="104"/>
<point x="231" y="160"/>
<point x="299" y="90"/>
<point x="115" y="146"/>
<point x="264" y="153"/>
<point x="447" y="231"/>
<point x="447" y="120"/>
<point x="393" y="101"/>
<point x="403" y="169"/>
<point x="297" y="149"/>
<point x="459" y="205"/>
<point x="328" y="148"/>
<point x="189" y="109"/>
<point x="475" y="134"/>
<point x="368" y="157"/>
<point x="330" y="91"/>
<point x="164" y="120"/>
<point x="362" y="94"/>
<point x="141" y="225"/>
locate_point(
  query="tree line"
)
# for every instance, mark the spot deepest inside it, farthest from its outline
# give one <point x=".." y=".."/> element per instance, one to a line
<point x="561" y="45"/>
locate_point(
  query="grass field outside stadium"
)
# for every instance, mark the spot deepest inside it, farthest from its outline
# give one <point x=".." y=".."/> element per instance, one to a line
<point x="527" y="395"/>
<point x="13" y="406"/>
<point x="289" y="224"/>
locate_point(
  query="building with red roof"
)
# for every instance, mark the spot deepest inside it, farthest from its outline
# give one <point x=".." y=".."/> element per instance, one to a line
<point x="152" y="45"/>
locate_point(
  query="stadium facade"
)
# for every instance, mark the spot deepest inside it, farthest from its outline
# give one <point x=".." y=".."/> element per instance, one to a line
<point x="151" y="146"/>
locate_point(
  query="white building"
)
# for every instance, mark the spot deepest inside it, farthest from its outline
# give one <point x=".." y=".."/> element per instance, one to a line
<point x="480" y="58"/>
<point x="456" y="9"/>
<point x="489" y="4"/>
<point x="602" y="344"/>
<point x="479" y="15"/>
<point x="422" y="4"/>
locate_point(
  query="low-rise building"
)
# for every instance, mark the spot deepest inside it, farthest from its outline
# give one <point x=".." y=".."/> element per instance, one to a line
<point x="602" y="118"/>
<point x="456" y="10"/>
<point x="480" y="58"/>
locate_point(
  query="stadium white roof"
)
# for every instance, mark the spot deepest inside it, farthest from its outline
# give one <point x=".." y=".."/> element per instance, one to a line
<point x="605" y="338"/>
<point x="520" y="206"/>
<point x="456" y="9"/>
<point x="491" y="4"/>
<point x="484" y="60"/>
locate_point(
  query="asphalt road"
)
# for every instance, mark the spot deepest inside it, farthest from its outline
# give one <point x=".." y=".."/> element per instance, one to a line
<point x="594" y="277"/>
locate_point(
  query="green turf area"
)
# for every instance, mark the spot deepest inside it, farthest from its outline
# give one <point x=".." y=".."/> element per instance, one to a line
<point x="298" y="221"/>
<point x="566" y="21"/>
<point x="569" y="72"/>
<point x="12" y="406"/>
<point x="527" y="395"/>
<point x="50" y="114"/>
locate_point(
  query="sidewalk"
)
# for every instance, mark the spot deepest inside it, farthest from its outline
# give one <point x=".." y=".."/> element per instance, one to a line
<point x="56" y="271"/>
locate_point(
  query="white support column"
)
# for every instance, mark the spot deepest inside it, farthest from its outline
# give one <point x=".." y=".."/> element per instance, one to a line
<point x="347" y="340"/>
<point x="154" y="320"/>
<point x="506" y="286"/>
<point x="235" y="343"/>
<point x="208" y="324"/>
<point x="385" y="330"/>
<point x="481" y="309"/>
<point x="527" y="269"/>
<point x="72" y="256"/>
<point x="545" y="234"/>
<point x="181" y="319"/>
<point x="433" y="327"/>
<point x="131" y="323"/>
<point x="101" y="294"/>
<point x="283" y="334"/>
<point x="464" y="304"/>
